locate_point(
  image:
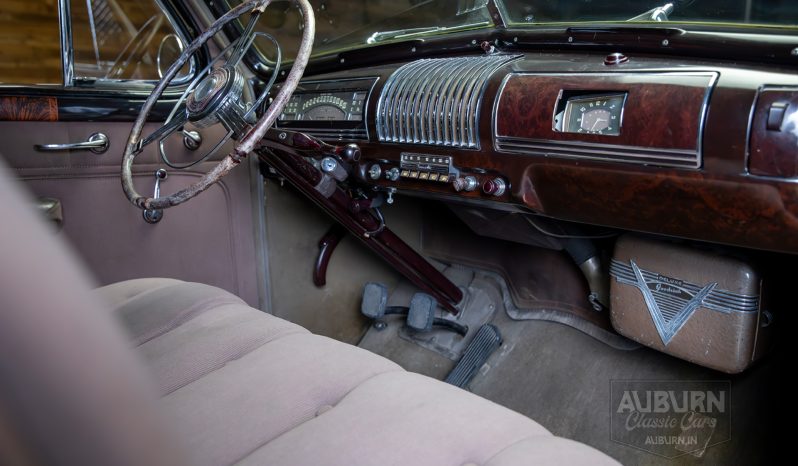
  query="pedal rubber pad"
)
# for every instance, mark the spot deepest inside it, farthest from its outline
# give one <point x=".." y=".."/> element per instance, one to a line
<point x="375" y="297"/>
<point x="485" y="342"/>
<point x="422" y="312"/>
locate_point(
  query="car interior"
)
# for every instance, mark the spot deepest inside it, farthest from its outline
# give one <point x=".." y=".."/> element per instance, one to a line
<point x="466" y="232"/>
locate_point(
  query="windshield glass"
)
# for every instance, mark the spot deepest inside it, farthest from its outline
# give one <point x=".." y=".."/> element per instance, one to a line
<point x="344" y="24"/>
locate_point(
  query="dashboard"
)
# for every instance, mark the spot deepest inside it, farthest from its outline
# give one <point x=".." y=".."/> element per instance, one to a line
<point x="689" y="148"/>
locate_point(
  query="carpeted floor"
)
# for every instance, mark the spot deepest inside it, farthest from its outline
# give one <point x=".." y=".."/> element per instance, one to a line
<point x="560" y="377"/>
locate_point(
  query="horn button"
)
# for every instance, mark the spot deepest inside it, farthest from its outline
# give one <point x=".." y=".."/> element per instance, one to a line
<point x="218" y="99"/>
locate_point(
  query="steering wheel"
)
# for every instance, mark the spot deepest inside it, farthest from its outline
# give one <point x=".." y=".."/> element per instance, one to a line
<point x="216" y="98"/>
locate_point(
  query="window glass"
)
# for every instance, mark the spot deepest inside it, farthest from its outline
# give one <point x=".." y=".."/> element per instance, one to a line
<point x="119" y="39"/>
<point x="346" y="23"/>
<point x="30" y="44"/>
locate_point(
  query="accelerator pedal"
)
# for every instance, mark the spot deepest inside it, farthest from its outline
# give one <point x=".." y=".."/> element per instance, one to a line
<point x="485" y="342"/>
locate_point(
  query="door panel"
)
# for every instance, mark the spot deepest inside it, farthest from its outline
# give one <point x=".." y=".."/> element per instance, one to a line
<point x="210" y="239"/>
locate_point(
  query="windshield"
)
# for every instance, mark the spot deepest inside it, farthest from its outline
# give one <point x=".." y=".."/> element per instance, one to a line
<point x="344" y="24"/>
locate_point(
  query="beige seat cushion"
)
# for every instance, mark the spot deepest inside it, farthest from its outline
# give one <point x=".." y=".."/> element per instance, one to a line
<point x="242" y="386"/>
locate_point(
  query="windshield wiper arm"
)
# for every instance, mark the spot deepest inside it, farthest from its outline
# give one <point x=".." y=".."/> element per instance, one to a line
<point x="385" y="35"/>
<point x="659" y="13"/>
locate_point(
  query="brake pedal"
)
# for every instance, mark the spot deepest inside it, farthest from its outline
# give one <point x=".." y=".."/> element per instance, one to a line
<point x="421" y="316"/>
<point x="485" y="342"/>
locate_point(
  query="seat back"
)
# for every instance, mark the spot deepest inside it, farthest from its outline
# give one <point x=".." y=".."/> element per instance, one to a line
<point x="71" y="391"/>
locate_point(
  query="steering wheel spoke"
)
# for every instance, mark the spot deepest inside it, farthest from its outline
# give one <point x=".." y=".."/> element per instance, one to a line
<point x="216" y="96"/>
<point x="175" y="123"/>
<point x="245" y="41"/>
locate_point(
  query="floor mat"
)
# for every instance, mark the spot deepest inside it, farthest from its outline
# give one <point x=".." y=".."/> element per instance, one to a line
<point x="560" y="377"/>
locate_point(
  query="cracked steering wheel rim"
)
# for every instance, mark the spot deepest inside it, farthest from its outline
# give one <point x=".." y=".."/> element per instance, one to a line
<point x="250" y="138"/>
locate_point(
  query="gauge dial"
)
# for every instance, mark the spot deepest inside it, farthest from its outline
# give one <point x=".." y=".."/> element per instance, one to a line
<point x="594" y="114"/>
<point x="325" y="107"/>
<point x="325" y="112"/>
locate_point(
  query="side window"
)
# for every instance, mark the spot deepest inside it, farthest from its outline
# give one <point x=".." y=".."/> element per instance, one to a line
<point x="119" y="39"/>
<point x="30" y="43"/>
<point x="111" y="40"/>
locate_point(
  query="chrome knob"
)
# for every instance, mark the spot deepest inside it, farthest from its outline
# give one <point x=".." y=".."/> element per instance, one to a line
<point x="328" y="164"/>
<point x="468" y="183"/>
<point x="375" y="172"/>
<point x="495" y="187"/>
<point x="392" y="174"/>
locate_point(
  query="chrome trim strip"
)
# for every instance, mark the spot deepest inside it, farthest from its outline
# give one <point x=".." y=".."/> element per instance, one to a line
<point x="468" y="81"/>
<point x="429" y="81"/>
<point x="604" y="153"/>
<point x="67" y="52"/>
<point x="436" y="101"/>
<point x="411" y="101"/>
<point x="591" y="151"/>
<point x="718" y="300"/>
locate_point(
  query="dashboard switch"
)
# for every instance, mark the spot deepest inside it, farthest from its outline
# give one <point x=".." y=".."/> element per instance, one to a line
<point x="468" y="183"/>
<point x="392" y="174"/>
<point x="375" y="172"/>
<point x="776" y="114"/>
<point x="495" y="187"/>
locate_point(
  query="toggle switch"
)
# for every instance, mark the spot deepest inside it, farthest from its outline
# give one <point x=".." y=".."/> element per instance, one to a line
<point x="776" y="114"/>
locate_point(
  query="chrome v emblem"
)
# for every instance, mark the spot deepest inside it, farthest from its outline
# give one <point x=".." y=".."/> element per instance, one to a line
<point x="668" y="326"/>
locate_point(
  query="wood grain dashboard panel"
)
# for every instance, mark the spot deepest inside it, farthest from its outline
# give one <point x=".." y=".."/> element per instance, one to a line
<point x="662" y="118"/>
<point x="719" y="202"/>
<point x="19" y="108"/>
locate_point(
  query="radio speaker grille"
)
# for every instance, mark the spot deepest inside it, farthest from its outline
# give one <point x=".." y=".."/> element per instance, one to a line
<point x="436" y="101"/>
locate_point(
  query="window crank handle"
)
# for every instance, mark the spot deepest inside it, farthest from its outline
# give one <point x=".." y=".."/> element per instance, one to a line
<point x="155" y="215"/>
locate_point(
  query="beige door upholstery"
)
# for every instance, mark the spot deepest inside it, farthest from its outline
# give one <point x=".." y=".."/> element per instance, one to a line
<point x="236" y="385"/>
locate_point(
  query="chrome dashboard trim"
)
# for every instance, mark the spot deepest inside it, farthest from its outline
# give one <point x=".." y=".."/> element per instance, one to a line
<point x="339" y="134"/>
<point x="436" y="101"/>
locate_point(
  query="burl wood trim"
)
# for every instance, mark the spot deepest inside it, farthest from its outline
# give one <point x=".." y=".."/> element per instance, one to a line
<point x="661" y="111"/>
<point x="20" y="108"/>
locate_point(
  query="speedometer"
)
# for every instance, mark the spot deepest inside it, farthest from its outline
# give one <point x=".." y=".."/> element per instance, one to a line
<point x="325" y="112"/>
<point x="328" y="100"/>
<point x="329" y="106"/>
<point x="324" y="108"/>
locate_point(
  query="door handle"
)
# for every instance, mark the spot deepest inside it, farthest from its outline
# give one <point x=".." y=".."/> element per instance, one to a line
<point x="97" y="143"/>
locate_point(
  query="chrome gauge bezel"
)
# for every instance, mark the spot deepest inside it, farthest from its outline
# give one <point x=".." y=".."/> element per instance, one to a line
<point x="613" y="102"/>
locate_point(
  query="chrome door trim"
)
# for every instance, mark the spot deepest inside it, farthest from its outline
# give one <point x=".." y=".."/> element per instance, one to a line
<point x="67" y="51"/>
